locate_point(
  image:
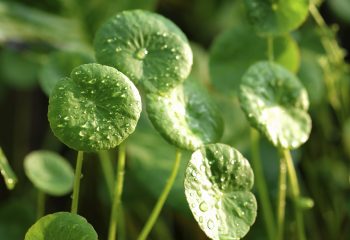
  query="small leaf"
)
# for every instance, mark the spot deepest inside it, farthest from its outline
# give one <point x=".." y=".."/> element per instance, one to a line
<point x="276" y="103"/>
<point x="235" y="50"/>
<point x="58" y="66"/>
<point x="218" y="181"/>
<point x="61" y="226"/>
<point x="185" y="116"/>
<point x="7" y="172"/>
<point x="95" y="109"/>
<point x="148" y="48"/>
<point x="49" y="172"/>
<point x="276" y="17"/>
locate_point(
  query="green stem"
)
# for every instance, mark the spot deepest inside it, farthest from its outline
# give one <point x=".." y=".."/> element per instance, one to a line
<point x="118" y="189"/>
<point x="107" y="169"/>
<point x="295" y="191"/>
<point x="40" y="204"/>
<point x="270" y="55"/>
<point x="77" y="177"/>
<point x="159" y="205"/>
<point x="281" y="201"/>
<point x="261" y="185"/>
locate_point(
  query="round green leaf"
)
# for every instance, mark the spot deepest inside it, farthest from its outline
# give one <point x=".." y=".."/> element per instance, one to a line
<point x="146" y="47"/>
<point x="95" y="109"/>
<point x="218" y="181"/>
<point x="276" y="103"/>
<point x="185" y="116"/>
<point x="58" y="66"/>
<point x="235" y="50"/>
<point x="276" y="17"/>
<point x="49" y="172"/>
<point x="61" y="226"/>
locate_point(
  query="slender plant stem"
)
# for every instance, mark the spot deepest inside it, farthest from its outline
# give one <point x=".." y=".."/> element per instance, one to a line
<point x="261" y="185"/>
<point x="77" y="177"/>
<point x="107" y="169"/>
<point x="118" y="190"/>
<point x="293" y="181"/>
<point x="270" y="55"/>
<point x="282" y="188"/>
<point x="40" y="211"/>
<point x="159" y="205"/>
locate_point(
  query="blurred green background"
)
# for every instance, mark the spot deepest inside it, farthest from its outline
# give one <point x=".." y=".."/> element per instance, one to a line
<point x="31" y="32"/>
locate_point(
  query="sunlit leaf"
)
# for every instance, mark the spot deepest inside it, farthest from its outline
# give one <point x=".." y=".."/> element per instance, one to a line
<point x="276" y="17"/>
<point x="185" y="116"/>
<point x="276" y="103"/>
<point x="148" y="48"/>
<point x="49" y="172"/>
<point x="7" y="172"/>
<point x="218" y="182"/>
<point x="61" y="226"/>
<point x="58" y="66"/>
<point x="235" y="50"/>
<point x="95" y="109"/>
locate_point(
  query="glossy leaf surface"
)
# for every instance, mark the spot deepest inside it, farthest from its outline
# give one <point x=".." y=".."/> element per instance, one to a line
<point x="218" y="182"/>
<point x="276" y="103"/>
<point x="148" y="48"/>
<point x="58" y="66"/>
<point x="185" y="116"/>
<point x="61" y="226"/>
<point x="95" y="109"/>
<point x="49" y="172"/>
<point x="235" y="50"/>
<point x="276" y="17"/>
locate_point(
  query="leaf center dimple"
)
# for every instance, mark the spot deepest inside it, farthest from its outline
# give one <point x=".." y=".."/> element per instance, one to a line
<point x="141" y="53"/>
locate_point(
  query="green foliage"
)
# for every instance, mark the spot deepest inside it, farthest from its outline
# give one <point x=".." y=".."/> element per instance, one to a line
<point x="61" y="226"/>
<point x="185" y="116"/>
<point x="146" y="47"/>
<point x="276" y="103"/>
<point x="7" y="172"/>
<point x="276" y="17"/>
<point x="95" y="109"/>
<point x="49" y="172"/>
<point x="235" y="50"/>
<point x="218" y="181"/>
<point x="58" y="66"/>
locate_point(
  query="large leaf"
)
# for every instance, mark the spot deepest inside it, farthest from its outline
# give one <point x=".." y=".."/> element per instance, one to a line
<point x="95" y="109"/>
<point x="276" y="17"/>
<point x="49" y="172"/>
<point x="148" y="48"/>
<point x="235" y="50"/>
<point x="218" y="182"/>
<point x="185" y="116"/>
<point x="276" y="103"/>
<point x="61" y="226"/>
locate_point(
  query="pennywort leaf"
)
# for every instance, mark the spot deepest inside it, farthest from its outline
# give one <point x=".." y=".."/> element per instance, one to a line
<point x="185" y="116"/>
<point x="218" y="182"/>
<point x="61" y="226"/>
<point x="49" y="172"/>
<point x="276" y="103"/>
<point x="148" y="48"/>
<point x="7" y="172"/>
<point x="276" y="17"/>
<point x="95" y="109"/>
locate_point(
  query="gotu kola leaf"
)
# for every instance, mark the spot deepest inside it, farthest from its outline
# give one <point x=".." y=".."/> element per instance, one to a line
<point x="276" y="17"/>
<point x="276" y="103"/>
<point x="95" y="109"/>
<point x="218" y="181"/>
<point x="148" y="48"/>
<point x="61" y="226"/>
<point x="235" y="50"/>
<point x="49" y="172"/>
<point x="185" y="116"/>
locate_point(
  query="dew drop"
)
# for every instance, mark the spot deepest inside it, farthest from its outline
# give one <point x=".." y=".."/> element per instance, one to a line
<point x="200" y="219"/>
<point x="203" y="206"/>
<point x="141" y="53"/>
<point x="210" y="224"/>
<point x="118" y="49"/>
<point x="81" y="133"/>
